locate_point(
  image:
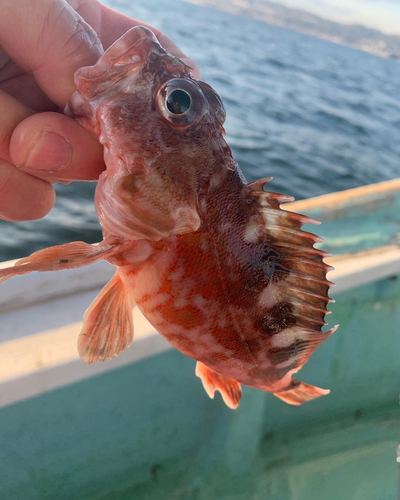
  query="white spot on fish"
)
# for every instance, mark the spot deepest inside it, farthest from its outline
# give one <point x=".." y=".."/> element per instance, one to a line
<point x="212" y="345"/>
<point x="251" y="232"/>
<point x="151" y="282"/>
<point x="181" y="303"/>
<point x="225" y="227"/>
<point x="286" y="337"/>
<point x="222" y="321"/>
<point x="271" y="219"/>
<point x="269" y="296"/>
<point x="177" y="275"/>
<point x="200" y="302"/>
<point x="155" y="317"/>
<point x="155" y="300"/>
<point x="272" y="223"/>
<point x="217" y="179"/>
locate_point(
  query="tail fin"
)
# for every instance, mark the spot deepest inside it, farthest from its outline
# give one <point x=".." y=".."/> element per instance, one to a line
<point x="300" y="392"/>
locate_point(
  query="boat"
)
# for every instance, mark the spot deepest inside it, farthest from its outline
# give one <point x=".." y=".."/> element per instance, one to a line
<point x="141" y="426"/>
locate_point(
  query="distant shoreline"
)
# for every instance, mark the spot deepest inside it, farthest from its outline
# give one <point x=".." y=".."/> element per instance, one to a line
<point x="355" y="36"/>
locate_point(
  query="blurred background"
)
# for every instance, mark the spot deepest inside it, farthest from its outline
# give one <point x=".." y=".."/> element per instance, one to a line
<point x="317" y="116"/>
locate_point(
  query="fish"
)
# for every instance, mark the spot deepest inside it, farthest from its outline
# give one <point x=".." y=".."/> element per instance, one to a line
<point x="214" y="263"/>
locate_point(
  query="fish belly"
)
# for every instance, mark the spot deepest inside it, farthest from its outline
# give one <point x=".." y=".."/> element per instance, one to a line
<point x="220" y="336"/>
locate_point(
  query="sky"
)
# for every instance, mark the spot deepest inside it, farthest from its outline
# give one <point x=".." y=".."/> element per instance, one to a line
<point x="383" y="15"/>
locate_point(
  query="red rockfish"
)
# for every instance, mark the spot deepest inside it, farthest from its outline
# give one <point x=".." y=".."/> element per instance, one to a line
<point x="217" y="267"/>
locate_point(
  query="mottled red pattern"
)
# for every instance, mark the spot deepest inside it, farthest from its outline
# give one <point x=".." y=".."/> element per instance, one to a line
<point x="214" y="263"/>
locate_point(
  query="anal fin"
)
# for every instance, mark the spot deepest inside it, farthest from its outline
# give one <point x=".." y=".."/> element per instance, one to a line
<point x="300" y="392"/>
<point x="107" y="324"/>
<point x="231" y="390"/>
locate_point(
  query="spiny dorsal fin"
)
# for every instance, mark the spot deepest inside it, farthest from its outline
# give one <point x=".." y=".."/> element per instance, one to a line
<point x="298" y="281"/>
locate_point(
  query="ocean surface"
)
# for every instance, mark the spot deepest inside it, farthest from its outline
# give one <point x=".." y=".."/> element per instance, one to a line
<point x="316" y="116"/>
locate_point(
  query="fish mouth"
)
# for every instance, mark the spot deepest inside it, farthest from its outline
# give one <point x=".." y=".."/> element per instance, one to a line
<point x="119" y="61"/>
<point x="117" y="70"/>
<point x="135" y="45"/>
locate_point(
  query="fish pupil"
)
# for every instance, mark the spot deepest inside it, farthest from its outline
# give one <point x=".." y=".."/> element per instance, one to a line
<point x="178" y="102"/>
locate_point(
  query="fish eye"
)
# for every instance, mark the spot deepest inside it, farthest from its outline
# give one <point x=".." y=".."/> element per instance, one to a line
<point x="179" y="102"/>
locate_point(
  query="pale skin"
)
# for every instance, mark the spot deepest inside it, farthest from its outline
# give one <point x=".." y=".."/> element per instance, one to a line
<point x="43" y="42"/>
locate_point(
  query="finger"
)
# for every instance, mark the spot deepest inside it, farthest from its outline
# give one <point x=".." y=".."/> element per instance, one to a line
<point x="114" y="25"/>
<point x="27" y="91"/>
<point x="50" y="40"/>
<point x="55" y="147"/>
<point x="22" y="196"/>
<point x="12" y="112"/>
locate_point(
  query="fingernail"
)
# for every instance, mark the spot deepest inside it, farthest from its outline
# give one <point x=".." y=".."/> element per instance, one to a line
<point x="52" y="152"/>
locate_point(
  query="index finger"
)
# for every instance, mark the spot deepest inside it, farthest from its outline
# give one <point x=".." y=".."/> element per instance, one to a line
<point x="50" y="40"/>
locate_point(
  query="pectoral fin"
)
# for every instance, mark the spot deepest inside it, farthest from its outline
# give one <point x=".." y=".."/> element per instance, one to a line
<point x="231" y="390"/>
<point x="107" y="324"/>
<point x="68" y="256"/>
<point x="300" y="392"/>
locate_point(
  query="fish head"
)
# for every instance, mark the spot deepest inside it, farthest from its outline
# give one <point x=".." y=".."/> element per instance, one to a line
<point x="157" y="124"/>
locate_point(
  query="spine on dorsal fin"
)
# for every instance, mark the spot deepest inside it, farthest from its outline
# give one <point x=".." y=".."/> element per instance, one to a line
<point x="281" y="227"/>
<point x="256" y="190"/>
<point x="272" y="200"/>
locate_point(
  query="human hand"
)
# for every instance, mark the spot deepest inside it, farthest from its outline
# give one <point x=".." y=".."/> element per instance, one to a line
<point x="44" y="42"/>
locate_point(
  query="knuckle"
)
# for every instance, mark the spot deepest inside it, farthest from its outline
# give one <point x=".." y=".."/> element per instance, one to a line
<point x="82" y="45"/>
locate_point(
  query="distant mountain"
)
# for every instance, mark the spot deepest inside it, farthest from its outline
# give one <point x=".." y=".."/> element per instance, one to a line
<point x="352" y="35"/>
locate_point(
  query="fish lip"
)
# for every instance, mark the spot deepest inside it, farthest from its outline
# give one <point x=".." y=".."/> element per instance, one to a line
<point x="77" y="107"/>
<point x="123" y="49"/>
<point x="121" y="58"/>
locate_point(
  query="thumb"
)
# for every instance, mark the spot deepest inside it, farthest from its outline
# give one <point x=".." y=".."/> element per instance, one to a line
<point x="50" y="40"/>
